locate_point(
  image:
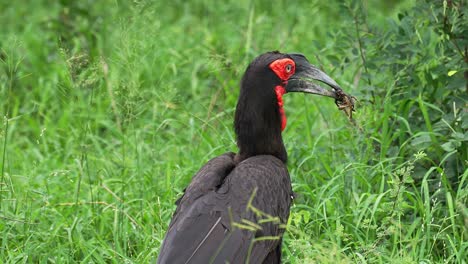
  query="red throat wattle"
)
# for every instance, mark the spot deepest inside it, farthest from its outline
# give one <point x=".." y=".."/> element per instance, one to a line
<point x="284" y="69"/>
<point x="280" y="90"/>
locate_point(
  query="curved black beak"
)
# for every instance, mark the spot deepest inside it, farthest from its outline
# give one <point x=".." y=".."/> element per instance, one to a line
<point x="302" y="79"/>
<point x="305" y="73"/>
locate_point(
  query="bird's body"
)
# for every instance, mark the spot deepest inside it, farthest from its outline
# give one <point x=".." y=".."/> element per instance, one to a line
<point x="237" y="205"/>
<point x="220" y="206"/>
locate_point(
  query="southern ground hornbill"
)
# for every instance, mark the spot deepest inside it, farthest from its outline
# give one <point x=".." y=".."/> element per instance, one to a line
<point x="236" y="206"/>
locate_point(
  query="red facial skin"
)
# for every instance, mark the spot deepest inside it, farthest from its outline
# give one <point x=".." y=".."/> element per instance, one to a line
<point x="284" y="69"/>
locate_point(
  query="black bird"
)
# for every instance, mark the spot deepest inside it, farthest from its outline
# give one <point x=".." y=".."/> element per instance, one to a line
<point x="236" y="206"/>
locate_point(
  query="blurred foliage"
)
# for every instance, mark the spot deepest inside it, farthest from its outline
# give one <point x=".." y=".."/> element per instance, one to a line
<point x="424" y="103"/>
<point x="418" y="69"/>
<point x="428" y="88"/>
<point x="415" y="75"/>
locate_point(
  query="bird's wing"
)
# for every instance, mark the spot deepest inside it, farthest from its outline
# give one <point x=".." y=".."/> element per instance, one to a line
<point x="207" y="179"/>
<point x="222" y="225"/>
<point x="190" y="224"/>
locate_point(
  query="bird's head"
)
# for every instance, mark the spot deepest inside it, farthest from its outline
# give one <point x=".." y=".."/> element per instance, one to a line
<point x="260" y="116"/>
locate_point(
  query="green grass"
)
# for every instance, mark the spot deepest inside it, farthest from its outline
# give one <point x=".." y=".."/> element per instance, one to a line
<point x="109" y="108"/>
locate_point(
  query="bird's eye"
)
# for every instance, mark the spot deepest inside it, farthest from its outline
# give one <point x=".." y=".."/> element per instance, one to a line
<point x="288" y="68"/>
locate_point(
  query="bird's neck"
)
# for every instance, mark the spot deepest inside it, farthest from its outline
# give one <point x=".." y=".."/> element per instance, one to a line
<point x="259" y="120"/>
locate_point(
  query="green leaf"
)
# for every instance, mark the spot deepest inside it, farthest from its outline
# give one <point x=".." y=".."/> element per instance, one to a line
<point x="425" y="138"/>
<point x="306" y="216"/>
<point x="460" y="136"/>
<point x="450" y="73"/>
<point x="448" y="146"/>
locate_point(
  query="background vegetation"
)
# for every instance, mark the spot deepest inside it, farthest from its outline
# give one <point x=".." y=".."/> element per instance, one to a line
<point x="110" y="107"/>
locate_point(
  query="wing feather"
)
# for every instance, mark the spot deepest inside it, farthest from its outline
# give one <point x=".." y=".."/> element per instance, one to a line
<point x="203" y="228"/>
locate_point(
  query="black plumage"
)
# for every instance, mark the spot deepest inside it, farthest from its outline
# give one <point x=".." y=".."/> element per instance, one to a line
<point x="236" y="206"/>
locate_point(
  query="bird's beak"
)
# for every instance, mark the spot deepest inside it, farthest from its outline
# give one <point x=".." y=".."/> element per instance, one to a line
<point x="305" y="73"/>
<point x="301" y="81"/>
